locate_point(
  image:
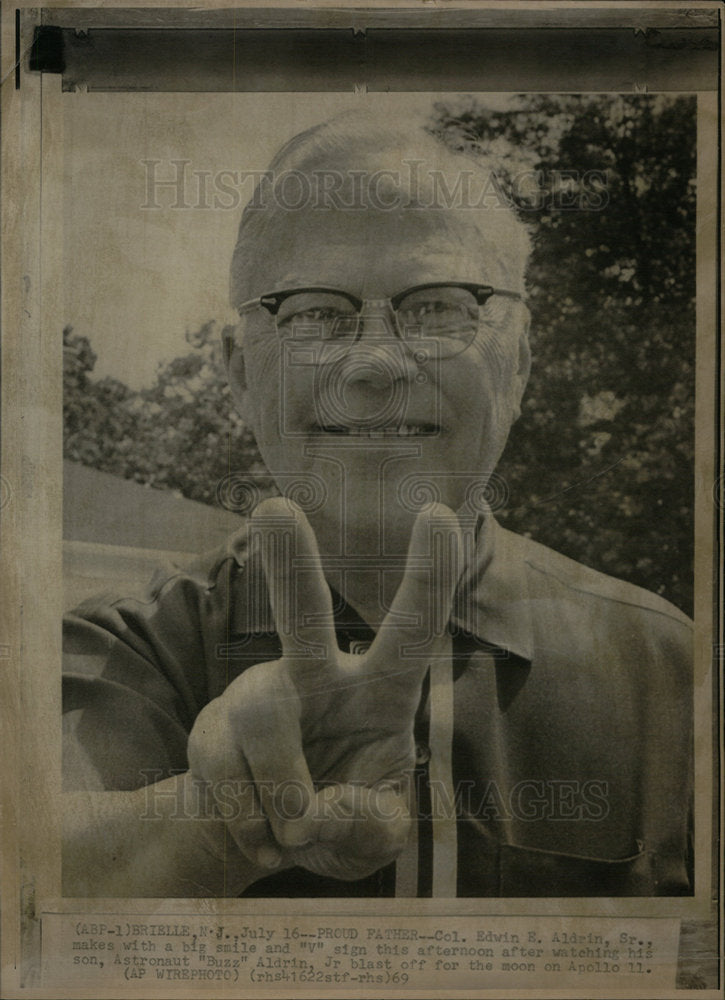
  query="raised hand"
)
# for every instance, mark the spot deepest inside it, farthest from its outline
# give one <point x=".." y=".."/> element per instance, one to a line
<point x="319" y="744"/>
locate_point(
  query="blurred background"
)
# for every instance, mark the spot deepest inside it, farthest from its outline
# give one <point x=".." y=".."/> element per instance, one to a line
<point x="600" y="465"/>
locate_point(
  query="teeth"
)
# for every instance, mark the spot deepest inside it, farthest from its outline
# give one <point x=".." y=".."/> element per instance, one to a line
<point x="404" y="430"/>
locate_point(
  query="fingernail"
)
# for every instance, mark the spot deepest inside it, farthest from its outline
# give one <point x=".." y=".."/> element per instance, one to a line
<point x="268" y="857"/>
<point x="296" y="833"/>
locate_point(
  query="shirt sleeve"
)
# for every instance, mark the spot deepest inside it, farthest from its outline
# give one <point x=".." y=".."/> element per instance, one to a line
<point x="135" y="679"/>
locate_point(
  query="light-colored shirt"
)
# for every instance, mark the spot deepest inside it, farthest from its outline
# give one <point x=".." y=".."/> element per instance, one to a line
<point x="571" y="728"/>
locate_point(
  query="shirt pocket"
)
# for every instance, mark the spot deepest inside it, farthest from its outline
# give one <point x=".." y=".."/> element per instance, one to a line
<point x="528" y="871"/>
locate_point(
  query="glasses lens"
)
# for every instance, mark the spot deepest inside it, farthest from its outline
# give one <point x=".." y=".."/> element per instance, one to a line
<point x="495" y="312"/>
<point x="316" y="316"/>
<point x="446" y="314"/>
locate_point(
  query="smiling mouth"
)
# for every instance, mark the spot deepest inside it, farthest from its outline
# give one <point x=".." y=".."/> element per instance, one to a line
<point x="399" y="430"/>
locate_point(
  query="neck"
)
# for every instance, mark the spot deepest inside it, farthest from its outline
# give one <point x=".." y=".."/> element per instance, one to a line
<point x="374" y="560"/>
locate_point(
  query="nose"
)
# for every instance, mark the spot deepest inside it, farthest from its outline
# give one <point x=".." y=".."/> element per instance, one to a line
<point x="378" y="311"/>
<point x="370" y="379"/>
<point x="377" y="357"/>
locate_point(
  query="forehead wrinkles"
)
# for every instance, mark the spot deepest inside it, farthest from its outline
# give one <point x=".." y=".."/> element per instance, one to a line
<point x="407" y="178"/>
<point x="290" y="248"/>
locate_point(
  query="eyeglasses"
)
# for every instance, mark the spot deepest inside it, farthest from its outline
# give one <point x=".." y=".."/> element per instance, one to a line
<point x="449" y="313"/>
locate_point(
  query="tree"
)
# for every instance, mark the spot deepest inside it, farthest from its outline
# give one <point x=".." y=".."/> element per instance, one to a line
<point x="191" y="436"/>
<point x="600" y="466"/>
<point x="181" y="434"/>
<point x="96" y="414"/>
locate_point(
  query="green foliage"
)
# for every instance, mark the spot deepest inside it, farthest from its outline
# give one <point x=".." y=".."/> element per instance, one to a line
<point x="600" y="465"/>
<point x="180" y="434"/>
<point x="96" y="414"/>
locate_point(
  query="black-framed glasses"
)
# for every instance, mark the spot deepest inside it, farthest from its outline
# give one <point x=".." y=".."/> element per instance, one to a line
<point x="449" y="313"/>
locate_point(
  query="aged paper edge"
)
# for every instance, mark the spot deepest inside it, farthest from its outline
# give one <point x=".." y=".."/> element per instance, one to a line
<point x="32" y="450"/>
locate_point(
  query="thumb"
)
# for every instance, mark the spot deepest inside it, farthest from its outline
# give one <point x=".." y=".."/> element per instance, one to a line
<point x="369" y="822"/>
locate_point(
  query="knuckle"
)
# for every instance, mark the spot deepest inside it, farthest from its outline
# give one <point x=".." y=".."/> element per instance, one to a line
<point x="294" y="834"/>
<point x="274" y="507"/>
<point x="207" y="762"/>
<point x="391" y="823"/>
<point x="439" y="511"/>
<point x="249" y="837"/>
<point x="250" y="832"/>
<point x="208" y="744"/>
<point x="197" y="752"/>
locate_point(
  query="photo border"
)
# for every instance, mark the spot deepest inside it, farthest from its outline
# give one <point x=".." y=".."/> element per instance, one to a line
<point x="32" y="195"/>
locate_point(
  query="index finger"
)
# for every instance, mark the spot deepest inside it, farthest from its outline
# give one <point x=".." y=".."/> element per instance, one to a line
<point x="299" y="594"/>
<point x="433" y="567"/>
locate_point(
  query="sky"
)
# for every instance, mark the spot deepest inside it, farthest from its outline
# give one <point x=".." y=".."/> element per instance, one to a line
<point x="138" y="272"/>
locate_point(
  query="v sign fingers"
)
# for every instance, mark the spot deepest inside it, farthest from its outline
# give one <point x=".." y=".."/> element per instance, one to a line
<point x="317" y="724"/>
<point x="411" y="632"/>
<point x="299" y="595"/>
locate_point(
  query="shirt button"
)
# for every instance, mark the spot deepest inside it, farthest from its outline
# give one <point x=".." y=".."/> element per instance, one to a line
<point x="422" y="753"/>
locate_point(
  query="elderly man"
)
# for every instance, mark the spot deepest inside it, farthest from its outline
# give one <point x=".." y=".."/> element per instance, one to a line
<point x="375" y="689"/>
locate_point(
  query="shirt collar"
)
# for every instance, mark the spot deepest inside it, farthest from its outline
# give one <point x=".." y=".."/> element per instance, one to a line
<point x="491" y="602"/>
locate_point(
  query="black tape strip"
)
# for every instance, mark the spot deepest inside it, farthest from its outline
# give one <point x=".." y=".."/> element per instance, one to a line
<point x="47" y="52"/>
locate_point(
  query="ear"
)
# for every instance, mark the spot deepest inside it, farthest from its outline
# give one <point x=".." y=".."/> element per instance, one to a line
<point x="236" y="370"/>
<point x="521" y="377"/>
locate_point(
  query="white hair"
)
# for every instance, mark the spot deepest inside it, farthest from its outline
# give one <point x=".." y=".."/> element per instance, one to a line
<point x="435" y="178"/>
